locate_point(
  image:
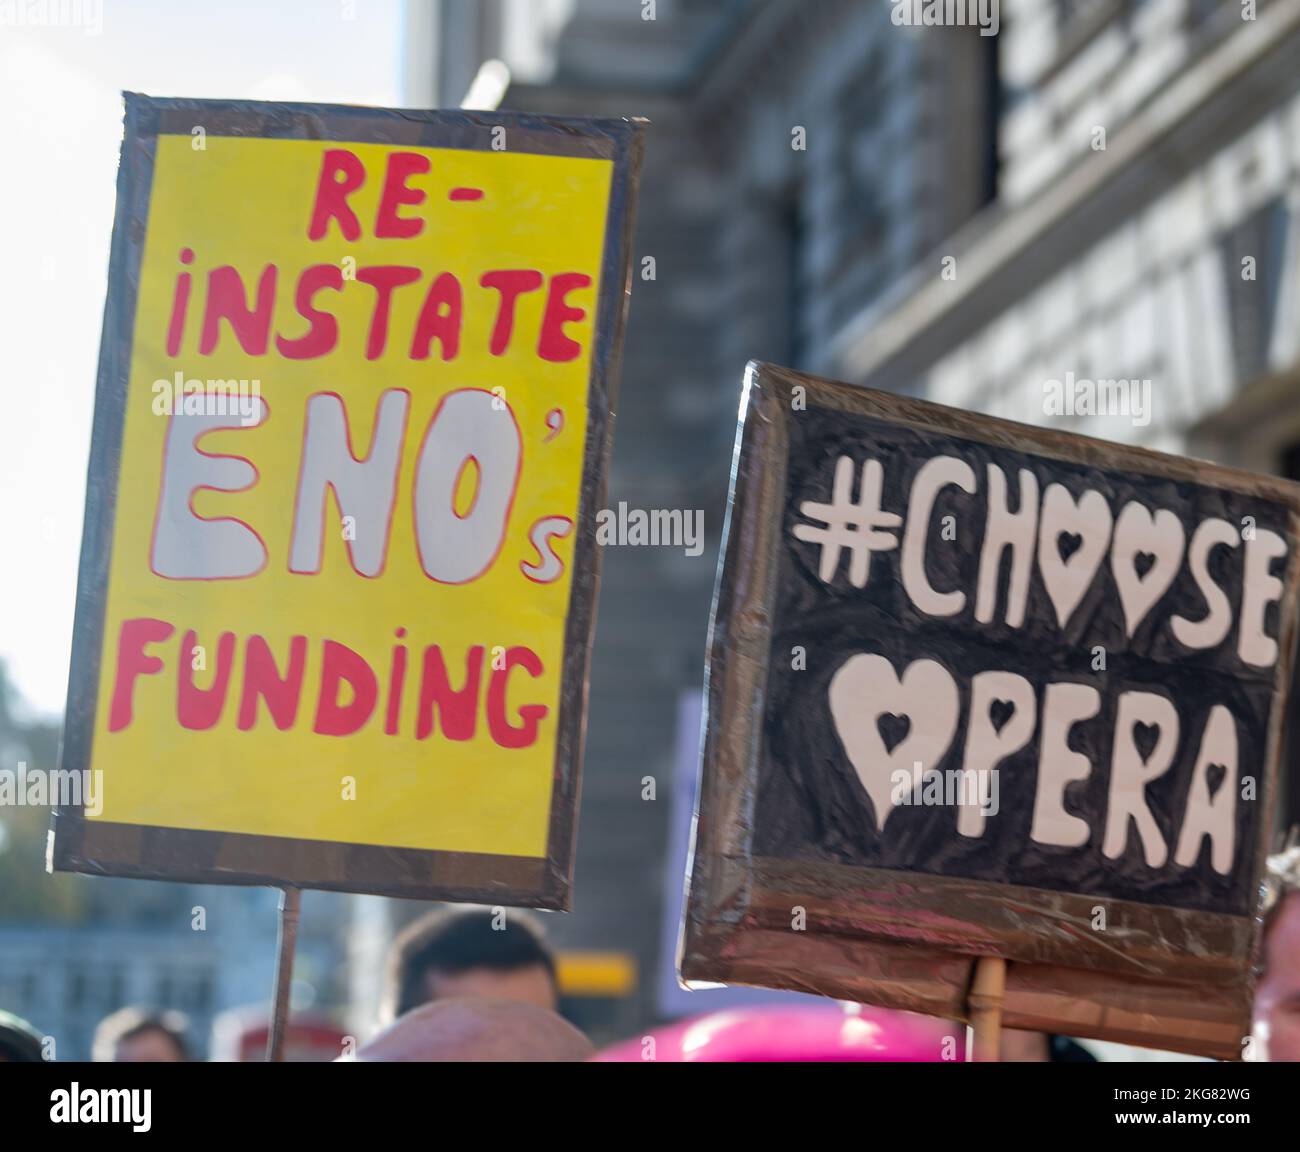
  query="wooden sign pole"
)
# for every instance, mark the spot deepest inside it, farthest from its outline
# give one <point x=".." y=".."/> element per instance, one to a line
<point x="290" y="905"/>
<point x="985" y="1001"/>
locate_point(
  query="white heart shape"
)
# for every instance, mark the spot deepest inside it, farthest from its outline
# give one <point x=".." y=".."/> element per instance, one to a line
<point x="1090" y="519"/>
<point x="864" y="688"/>
<point x="1162" y="535"/>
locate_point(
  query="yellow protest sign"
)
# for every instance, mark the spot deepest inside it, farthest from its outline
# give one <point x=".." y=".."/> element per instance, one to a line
<point x="338" y="575"/>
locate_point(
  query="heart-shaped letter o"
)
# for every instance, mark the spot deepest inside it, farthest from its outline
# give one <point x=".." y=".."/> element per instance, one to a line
<point x="865" y="687"/>
<point x="1160" y="537"/>
<point x="1066" y="580"/>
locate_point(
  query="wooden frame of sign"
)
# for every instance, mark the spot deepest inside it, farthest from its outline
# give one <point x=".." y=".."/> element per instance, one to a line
<point x="787" y="888"/>
<point x="201" y="856"/>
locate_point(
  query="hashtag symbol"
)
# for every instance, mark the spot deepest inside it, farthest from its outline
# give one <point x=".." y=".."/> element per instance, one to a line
<point x="857" y="527"/>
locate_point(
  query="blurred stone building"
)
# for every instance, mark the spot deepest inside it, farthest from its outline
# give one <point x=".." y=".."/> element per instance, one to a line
<point x="1108" y="188"/>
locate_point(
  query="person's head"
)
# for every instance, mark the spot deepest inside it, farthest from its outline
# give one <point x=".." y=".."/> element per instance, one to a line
<point x="469" y="1029"/>
<point x="470" y="952"/>
<point x="1277" y="995"/>
<point x="134" y="1036"/>
<point x="20" y="1043"/>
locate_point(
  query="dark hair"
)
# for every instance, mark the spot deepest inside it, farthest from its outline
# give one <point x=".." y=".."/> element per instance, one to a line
<point x="128" y="1023"/>
<point x="456" y="940"/>
<point x="19" y="1041"/>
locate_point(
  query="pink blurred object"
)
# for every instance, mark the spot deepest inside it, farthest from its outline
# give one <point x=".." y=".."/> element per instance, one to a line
<point x="816" y="1032"/>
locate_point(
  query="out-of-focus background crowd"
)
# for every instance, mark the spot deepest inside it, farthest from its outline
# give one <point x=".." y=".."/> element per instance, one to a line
<point x="1107" y="189"/>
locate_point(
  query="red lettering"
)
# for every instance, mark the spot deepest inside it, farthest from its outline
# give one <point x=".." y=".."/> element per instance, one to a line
<point x="553" y="344"/>
<point x="511" y="283"/>
<point x="439" y="319"/>
<point x="383" y="278"/>
<point x="323" y="333"/>
<point x="340" y="663"/>
<point x="341" y="174"/>
<point x="262" y="679"/>
<point x="227" y="301"/>
<point x="199" y="709"/>
<point x="132" y="662"/>
<point x="388" y="224"/>
<point x="456" y="708"/>
<point x="503" y="732"/>
<point x="180" y="303"/>
<point x="396" y="681"/>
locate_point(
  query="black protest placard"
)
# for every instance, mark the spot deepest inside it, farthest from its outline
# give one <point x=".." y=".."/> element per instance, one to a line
<point x="984" y="689"/>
